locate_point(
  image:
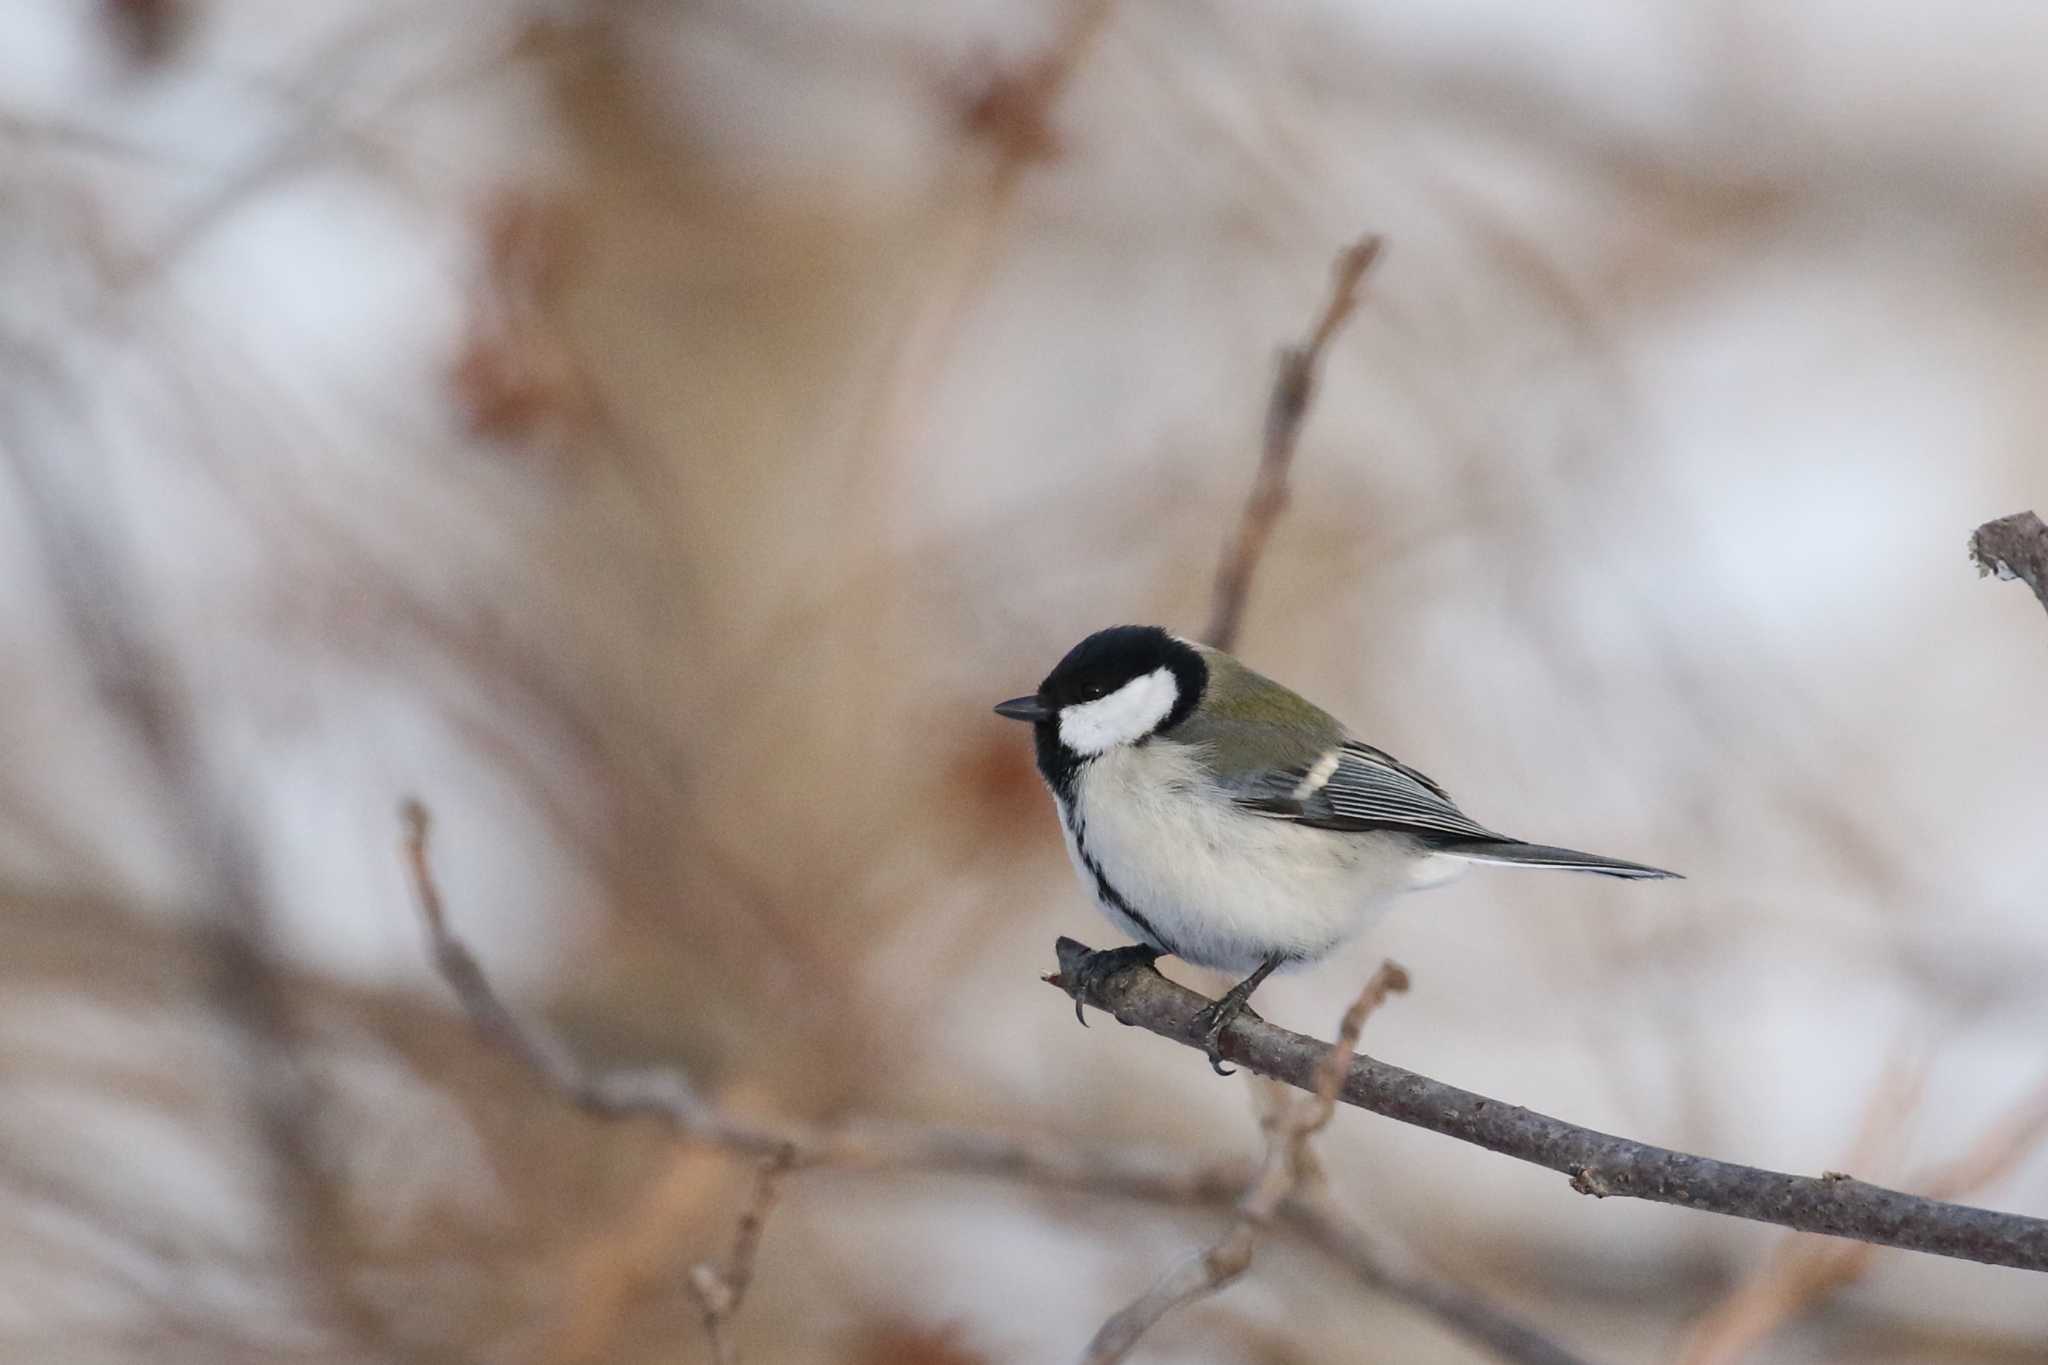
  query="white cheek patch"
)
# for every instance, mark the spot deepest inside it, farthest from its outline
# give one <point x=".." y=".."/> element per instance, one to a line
<point x="1125" y="716"/>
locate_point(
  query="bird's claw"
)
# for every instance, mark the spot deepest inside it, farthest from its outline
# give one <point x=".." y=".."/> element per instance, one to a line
<point x="1098" y="967"/>
<point x="1212" y="1019"/>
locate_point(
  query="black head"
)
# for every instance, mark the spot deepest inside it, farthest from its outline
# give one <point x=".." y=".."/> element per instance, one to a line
<point x="1110" y="660"/>
<point x="1119" y="686"/>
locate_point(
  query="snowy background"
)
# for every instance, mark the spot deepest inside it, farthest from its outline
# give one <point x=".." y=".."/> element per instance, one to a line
<point x="654" y="434"/>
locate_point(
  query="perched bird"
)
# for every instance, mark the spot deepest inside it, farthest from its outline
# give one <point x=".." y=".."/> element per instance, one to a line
<point x="1218" y="817"/>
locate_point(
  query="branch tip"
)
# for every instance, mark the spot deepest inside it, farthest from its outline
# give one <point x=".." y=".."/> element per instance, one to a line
<point x="2014" y="547"/>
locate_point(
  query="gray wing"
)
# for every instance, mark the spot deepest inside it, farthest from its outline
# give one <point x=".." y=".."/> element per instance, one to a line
<point x="1357" y="787"/>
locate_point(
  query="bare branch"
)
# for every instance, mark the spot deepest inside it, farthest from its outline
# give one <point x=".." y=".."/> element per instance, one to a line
<point x="1599" y="1164"/>
<point x="2014" y="547"/>
<point x="1148" y="1174"/>
<point x="1283" y="1170"/>
<point x="1286" y="410"/>
<point x="720" y="1292"/>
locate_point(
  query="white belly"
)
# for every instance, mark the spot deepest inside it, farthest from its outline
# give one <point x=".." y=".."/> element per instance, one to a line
<point x="1218" y="887"/>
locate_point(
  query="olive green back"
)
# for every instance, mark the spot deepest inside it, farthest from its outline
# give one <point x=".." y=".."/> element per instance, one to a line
<point x="1251" y="728"/>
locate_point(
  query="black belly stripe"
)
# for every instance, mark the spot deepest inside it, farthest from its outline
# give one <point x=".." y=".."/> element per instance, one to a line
<point x="1109" y="894"/>
<point x="1123" y="907"/>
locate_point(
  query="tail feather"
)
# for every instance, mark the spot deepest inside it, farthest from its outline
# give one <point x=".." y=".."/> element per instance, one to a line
<point x="1519" y="854"/>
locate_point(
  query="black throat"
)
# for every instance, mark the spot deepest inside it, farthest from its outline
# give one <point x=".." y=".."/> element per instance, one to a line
<point x="1057" y="764"/>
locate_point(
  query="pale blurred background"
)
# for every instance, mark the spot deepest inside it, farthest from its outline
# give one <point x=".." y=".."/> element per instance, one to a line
<point x="655" y="433"/>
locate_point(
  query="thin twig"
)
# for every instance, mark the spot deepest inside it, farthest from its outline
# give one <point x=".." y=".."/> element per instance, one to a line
<point x="1140" y="1173"/>
<point x="1286" y="410"/>
<point x="1283" y="1170"/>
<point x="1599" y="1164"/>
<point x="2014" y="547"/>
<point x="720" y="1292"/>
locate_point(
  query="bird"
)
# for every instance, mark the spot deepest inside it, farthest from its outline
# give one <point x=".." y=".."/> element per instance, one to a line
<point x="1218" y="817"/>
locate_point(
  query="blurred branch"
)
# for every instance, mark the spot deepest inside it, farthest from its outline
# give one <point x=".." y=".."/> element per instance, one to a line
<point x="327" y="114"/>
<point x="1392" y="1268"/>
<point x="1805" y="1270"/>
<point x="1145" y="1174"/>
<point x="1008" y="111"/>
<point x="719" y="1292"/>
<point x="1599" y="1164"/>
<point x="145" y="30"/>
<point x="618" y="1260"/>
<point x="2014" y="547"/>
<point x="97" y="589"/>
<point x="1286" y="410"/>
<point x="1013" y="109"/>
<point x="1286" y="1166"/>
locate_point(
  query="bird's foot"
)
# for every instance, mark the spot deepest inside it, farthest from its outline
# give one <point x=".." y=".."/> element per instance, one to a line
<point x="1216" y="1016"/>
<point x="1098" y="967"/>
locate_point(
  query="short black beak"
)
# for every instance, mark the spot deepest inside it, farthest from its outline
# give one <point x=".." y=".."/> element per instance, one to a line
<point x="1024" y="708"/>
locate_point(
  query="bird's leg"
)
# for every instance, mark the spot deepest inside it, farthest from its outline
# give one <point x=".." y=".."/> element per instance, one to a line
<point x="1217" y="1015"/>
<point x="1096" y="968"/>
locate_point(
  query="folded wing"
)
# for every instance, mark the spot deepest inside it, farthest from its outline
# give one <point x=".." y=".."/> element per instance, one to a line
<point x="1358" y="787"/>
